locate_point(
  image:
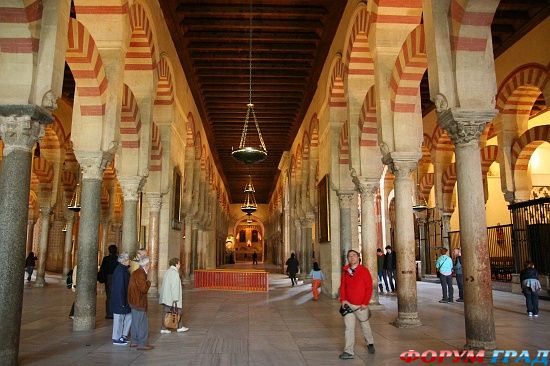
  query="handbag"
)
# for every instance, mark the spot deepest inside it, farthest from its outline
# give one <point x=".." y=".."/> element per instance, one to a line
<point x="172" y="318"/>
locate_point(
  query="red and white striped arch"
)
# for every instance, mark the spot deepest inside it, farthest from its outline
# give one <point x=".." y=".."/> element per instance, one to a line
<point x="155" y="164"/>
<point x="425" y="185"/>
<point x="68" y="181"/>
<point x="190" y="130"/>
<point x="203" y="158"/>
<point x="165" y="85"/>
<point x="141" y="54"/>
<point x="43" y="170"/>
<point x="299" y="151"/>
<point x="470" y="20"/>
<point x="358" y="55"/>
<point x="397" y="11"/>
<point x="110" y="172"/>
<point x="293" y="167"/>
<point x="367" y="120"/>
<point x="337" y="94"/>
<point x="488" y="156"/>
<point x="449" y="180"/>
<point x="198" y="146"/>
<point x="130" y="121"/>
<point x="87" y="68"/>
<point x="69" y="151"/>
<point x="408" y="71"/>
<point x="23" y="19"/>
<point x="305" y="144"/>
<point x="104" y="198"/>
<point x="426" y="149"/>
<point x="441" y="141"/>
<point x="519" y="91"/>
<point x="314" y="131"/>
<point x="524" y="145"/>
<point x="343" y="145"/>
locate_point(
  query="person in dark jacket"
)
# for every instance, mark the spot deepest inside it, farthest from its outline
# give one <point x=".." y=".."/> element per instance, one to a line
<point x="122" y="316"/>
<point x="390" y="263"/>
<point x="30" y="263"/>
<point x="530" y="285"/>
<point x="108" y="265"/>
<point x="380" y="268"/>
<point x="292" y="268"/>
<point x="457" y="268"/>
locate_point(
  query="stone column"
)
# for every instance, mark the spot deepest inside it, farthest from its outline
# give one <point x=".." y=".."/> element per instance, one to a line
<point x="368" y="189"/>
<point x="464" y="128"/>
<point x="421" y="222"/>
<point x="345" y="199"/>
<point x="405" y="276"/>
<point x="45" y="213"/>
<point x="105" y="237"/>
<point x="130" y="188"/>
<point x="93" y="164"/>
<point x="30" y="235"/>
<point x="20" y="128"/>
<point x="446" y="225"/>
<point x="155" y="203"/>
<point x="306" y="252"/>
<point x="186" y="251"/>
<point x="67" y="256"/>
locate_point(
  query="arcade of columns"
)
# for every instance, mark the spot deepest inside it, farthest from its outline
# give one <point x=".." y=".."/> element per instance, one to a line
<point x="134" y="142"/>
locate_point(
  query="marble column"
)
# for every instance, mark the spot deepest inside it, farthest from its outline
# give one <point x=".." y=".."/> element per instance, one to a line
<point x="446" y="225"/>
<point x="93" y="164"/>
<point x="464" y="128"/>
<point x="45" y="213"/>
<point x="345" y="200"/>
<point x="30" y="235"/>
<point x="105" y="221"/>
<point x="20" y="128"/>
<point x="405" y="276"/>
<point x="307" y="254"/>
<point x="186" y="251"/>
<point x="368" y="189"/>
<point x="68" y="248"/>
<point x="155" y="203"/>
<point x="130" y="188"/>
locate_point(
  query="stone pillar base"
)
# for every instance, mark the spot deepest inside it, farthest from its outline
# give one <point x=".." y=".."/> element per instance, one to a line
<point x="40" y="282"/>
<point x="479" y="345"/>
<point x="83" y="323"/>
<point x="376" y="306"/>
<point x="407" y="320"/>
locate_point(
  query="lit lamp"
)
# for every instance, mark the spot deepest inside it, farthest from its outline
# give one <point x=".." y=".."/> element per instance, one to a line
<point x="74" y="205"/>
<point x="249" y="206"/>
<point x="420" y="205"/>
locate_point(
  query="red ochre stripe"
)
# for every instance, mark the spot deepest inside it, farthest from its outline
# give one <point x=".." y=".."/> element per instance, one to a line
<point x="139" y="67"/>
<point x="469" y="44"/>
<point x="130" y="144"/>
<point x="102" y="9"/>
<point x="19" y="45"/>
<point x="396" y="19"/>
<point x="92" y="110"/>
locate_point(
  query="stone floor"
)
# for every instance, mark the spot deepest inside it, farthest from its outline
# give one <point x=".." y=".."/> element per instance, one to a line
<point x="281" y="327"/>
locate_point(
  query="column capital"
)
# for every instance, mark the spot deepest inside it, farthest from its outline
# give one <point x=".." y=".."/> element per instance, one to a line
<point x="345" y="198"/>
<point x="367" y="186"/>
<point x="131" y="186"/>
<point x="19" y="132"/>
<point x="307" y="222"/>
<point x="404" y="163"/>
<point x="46" y="211"/>
<point x="464" y="126"/>
<point x="93" y="163"/>
<point x="154" y="200"/>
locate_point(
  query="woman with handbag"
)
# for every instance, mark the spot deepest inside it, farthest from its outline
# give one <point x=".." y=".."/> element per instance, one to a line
<point x="171" y="299"/>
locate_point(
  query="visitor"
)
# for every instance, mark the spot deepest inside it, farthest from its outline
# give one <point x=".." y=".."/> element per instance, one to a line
<point x="30" y="263"/>
<point x="292" y="268"/>
<point x="444" y="267"/>
<point x="108" y="265"/>
<point x="255" y="258"/>
<point x="171" y="295"/>
<point x="530" y="287"/>
<point x="122" y="314"/>
<point x="380" y="257"/>
<point x="390" y="264"/>
<point x="355" y="293"/>
<point x="317" y="277"/>
<point x="134" y="263"/>
<point x="457" y="268"/>
<point x="137" y="298"/>
<point x="73" y="289"/>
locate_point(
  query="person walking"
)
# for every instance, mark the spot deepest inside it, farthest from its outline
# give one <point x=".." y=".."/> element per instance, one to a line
<point x="30" y="263"/>
<point x="355" y="294"/>
<point x="108" y="265"/>
<point x="171" y="294"/>
<point x="380" y="257"/>
<point x="73" y="288"/>
<point x="444" y="265"/>
<point x="292" y="268"/>
<point x="137" y="298"/>
<point x="254" y="258"/>
<point x="317" y="277"/>
<point x="122" y="314"/>
<point x="457" y="268"/>
<point x="390" y="264"/>
<point x="530" y="287"/>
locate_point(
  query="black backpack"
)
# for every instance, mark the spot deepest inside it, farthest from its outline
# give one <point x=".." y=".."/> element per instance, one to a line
<point x="69" y="279"/>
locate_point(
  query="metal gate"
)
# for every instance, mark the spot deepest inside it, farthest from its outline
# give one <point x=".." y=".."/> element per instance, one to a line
<point x="531" y="234"/>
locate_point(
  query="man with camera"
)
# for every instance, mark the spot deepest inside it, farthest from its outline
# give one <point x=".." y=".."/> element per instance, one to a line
<point x="355" y="294"/>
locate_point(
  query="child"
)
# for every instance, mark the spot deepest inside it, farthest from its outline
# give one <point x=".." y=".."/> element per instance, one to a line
<point x="317" y="275"/>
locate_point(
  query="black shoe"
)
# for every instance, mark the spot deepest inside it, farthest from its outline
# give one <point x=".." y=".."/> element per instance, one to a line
<point x="346" y="356"/>
<point x="371" y="348"/>
<point x="459" y="300"/>
<point x="443" y="301"/>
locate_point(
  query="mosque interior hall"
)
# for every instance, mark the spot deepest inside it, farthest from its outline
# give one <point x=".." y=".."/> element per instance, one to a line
<point x="232" y="135"/>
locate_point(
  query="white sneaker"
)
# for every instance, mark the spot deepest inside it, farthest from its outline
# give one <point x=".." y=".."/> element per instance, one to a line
<point x="530" y="313"/>
<point x="165" y="331"/>
<point x="536" y="315"/>
<point x="182" y="329"/>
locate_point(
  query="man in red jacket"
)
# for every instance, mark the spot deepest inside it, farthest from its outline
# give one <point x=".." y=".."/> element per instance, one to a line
<point x="355" y="292"/>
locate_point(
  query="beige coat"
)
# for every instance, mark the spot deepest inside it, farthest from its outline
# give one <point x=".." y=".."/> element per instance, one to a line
<point x="171" y="288"/>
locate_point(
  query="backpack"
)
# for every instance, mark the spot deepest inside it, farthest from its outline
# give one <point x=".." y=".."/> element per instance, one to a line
<point x="69" y="279"/>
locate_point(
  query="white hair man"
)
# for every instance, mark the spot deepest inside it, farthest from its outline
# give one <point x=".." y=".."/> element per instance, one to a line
<point x="137" y="298"/>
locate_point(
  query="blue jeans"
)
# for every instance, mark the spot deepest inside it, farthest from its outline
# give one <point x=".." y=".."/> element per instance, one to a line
<point x="382" y="277"/>
<point x="531" y="300"/>
<point x="447" y="287"/>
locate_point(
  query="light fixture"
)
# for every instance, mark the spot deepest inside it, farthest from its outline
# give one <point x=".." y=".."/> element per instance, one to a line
<point x="420" y="205"/>
<point x="64" y="228"/>
<point x="249" y="154"/>
<point x="74" y="205"/>
<point x="249" y="206"/>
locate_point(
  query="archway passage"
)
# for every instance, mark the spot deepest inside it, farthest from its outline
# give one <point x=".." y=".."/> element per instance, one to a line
<point x="249" y="242"/>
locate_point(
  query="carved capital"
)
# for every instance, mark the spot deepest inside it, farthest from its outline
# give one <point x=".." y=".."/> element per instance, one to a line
<point x="45" y="212"/>
<point x="130" y="186"/>
<point x="155" y="201"/>
<point x="367" y="187"/>
<point x="92" y="163"/>
<point x="403" y="164"/>
<point x="346" y="198"/>
<point x="464" y="126"/>
<point x="19" y="133"/>
<point x="307" y="222"/>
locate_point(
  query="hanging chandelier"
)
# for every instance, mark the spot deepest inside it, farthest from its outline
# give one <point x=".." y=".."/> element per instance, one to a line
<point x="419" y="203"/>
<point x="250" y="154"/>
<point x="249" y="206"/>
